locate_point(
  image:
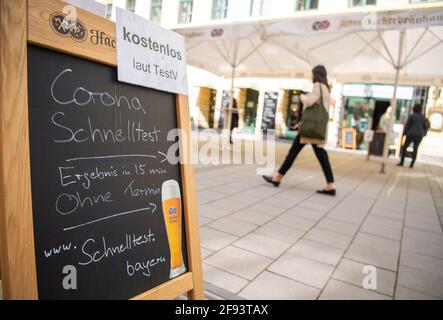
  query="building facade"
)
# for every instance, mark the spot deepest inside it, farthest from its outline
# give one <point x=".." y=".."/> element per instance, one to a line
<point x="172" y="13"/>
<point x="273" y="103"/>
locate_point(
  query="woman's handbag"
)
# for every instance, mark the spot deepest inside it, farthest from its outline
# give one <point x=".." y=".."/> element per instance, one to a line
<point x="314" y="121"/>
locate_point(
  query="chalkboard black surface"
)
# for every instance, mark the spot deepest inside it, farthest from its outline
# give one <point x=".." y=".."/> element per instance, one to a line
<point x="269" y="110"/>
<point x="377" y="144"/>
<point x="98" y="171"/>
<point x="224" y="105"/>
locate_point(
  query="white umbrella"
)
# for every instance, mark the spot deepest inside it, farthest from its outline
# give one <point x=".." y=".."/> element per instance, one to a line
<point x="385" y="46"/>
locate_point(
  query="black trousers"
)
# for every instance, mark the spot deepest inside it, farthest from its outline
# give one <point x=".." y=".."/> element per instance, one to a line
<point x="320" y="153"/>
<point x="409" y="140"/>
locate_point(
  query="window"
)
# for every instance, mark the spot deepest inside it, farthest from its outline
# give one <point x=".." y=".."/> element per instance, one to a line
<point x="156" y="10"/>
<point x="256" y="8"/>
<point x="109" y="10"/>
<point x="219" y="9"/>
<point x="261" y="7"/>
<point x="130" y="5"/>
<point x="306" y="4"/>
<point x="185" y="11"/>
<point x="359" y="3"/>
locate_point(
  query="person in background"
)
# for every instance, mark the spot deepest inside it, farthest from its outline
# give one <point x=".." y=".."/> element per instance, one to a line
<point x="415" y="129"/>
<point x="234" y="119"/>
<point x="321" y="89"/>
<point x="383" y="124"/>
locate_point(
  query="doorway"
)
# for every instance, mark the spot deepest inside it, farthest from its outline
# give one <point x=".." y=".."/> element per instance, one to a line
<point x="206" y="104"/>
<point x="380" y="109"/>
<point x="249" y="106"/>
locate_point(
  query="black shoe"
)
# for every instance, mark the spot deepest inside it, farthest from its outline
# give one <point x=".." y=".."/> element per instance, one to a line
<point x="331" y="192"/>
<point x="399" y="164"/>
<point x="269" y="180"/>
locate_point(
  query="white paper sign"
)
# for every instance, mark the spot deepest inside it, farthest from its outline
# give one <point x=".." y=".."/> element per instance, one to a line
<point x="149" y="55"/>
<point x="90" y="5"/>
<point x="369" y="135"/>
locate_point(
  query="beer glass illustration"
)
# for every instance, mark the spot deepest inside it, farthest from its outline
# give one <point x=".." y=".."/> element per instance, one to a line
<point x="172" y="213"/>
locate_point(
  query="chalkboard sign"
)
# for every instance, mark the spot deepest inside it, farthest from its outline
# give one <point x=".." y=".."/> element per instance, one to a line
<point x="224" y="106"/>
<point x="270" y="107"/>
<point x="99" y="193"/>
<point x="97" y="204"/>
<point x="377" y="144"/>
<point x="349" y="138"/>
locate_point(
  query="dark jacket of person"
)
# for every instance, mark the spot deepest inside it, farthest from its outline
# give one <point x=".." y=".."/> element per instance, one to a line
<point x="415" y="125"/>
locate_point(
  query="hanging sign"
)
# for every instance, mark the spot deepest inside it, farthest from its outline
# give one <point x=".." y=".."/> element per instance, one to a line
<point x="149" y="55"/>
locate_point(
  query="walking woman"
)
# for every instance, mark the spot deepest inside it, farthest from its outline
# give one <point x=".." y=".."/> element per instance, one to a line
<point x="415" y="129"/>
<point x="312" y="131"/>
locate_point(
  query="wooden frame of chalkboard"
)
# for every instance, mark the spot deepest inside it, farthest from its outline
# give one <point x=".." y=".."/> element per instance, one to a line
<point x="23" y="23"/>
<point x="345" y="143"/>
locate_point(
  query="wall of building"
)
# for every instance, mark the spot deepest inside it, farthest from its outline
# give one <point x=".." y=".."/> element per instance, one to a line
<point x="238" y="9"/>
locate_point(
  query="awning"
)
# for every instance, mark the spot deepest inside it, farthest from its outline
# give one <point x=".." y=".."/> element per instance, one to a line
<point x="355" y="46"/>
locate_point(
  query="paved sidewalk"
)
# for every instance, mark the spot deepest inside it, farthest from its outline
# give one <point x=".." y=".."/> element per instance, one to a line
<point x="261" y="242"/>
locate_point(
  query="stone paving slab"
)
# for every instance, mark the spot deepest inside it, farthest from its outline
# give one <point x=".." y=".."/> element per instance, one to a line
<point x="338" y="290"/>
<point x="261" y="242"/>
<point x="351" y="272"/>
<point x="223" y="279"/>
<point x="240" y="262"/>
<point x="307" y="271"/>
<point x="263" y="245"/>
<point x="271" y="286"/>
